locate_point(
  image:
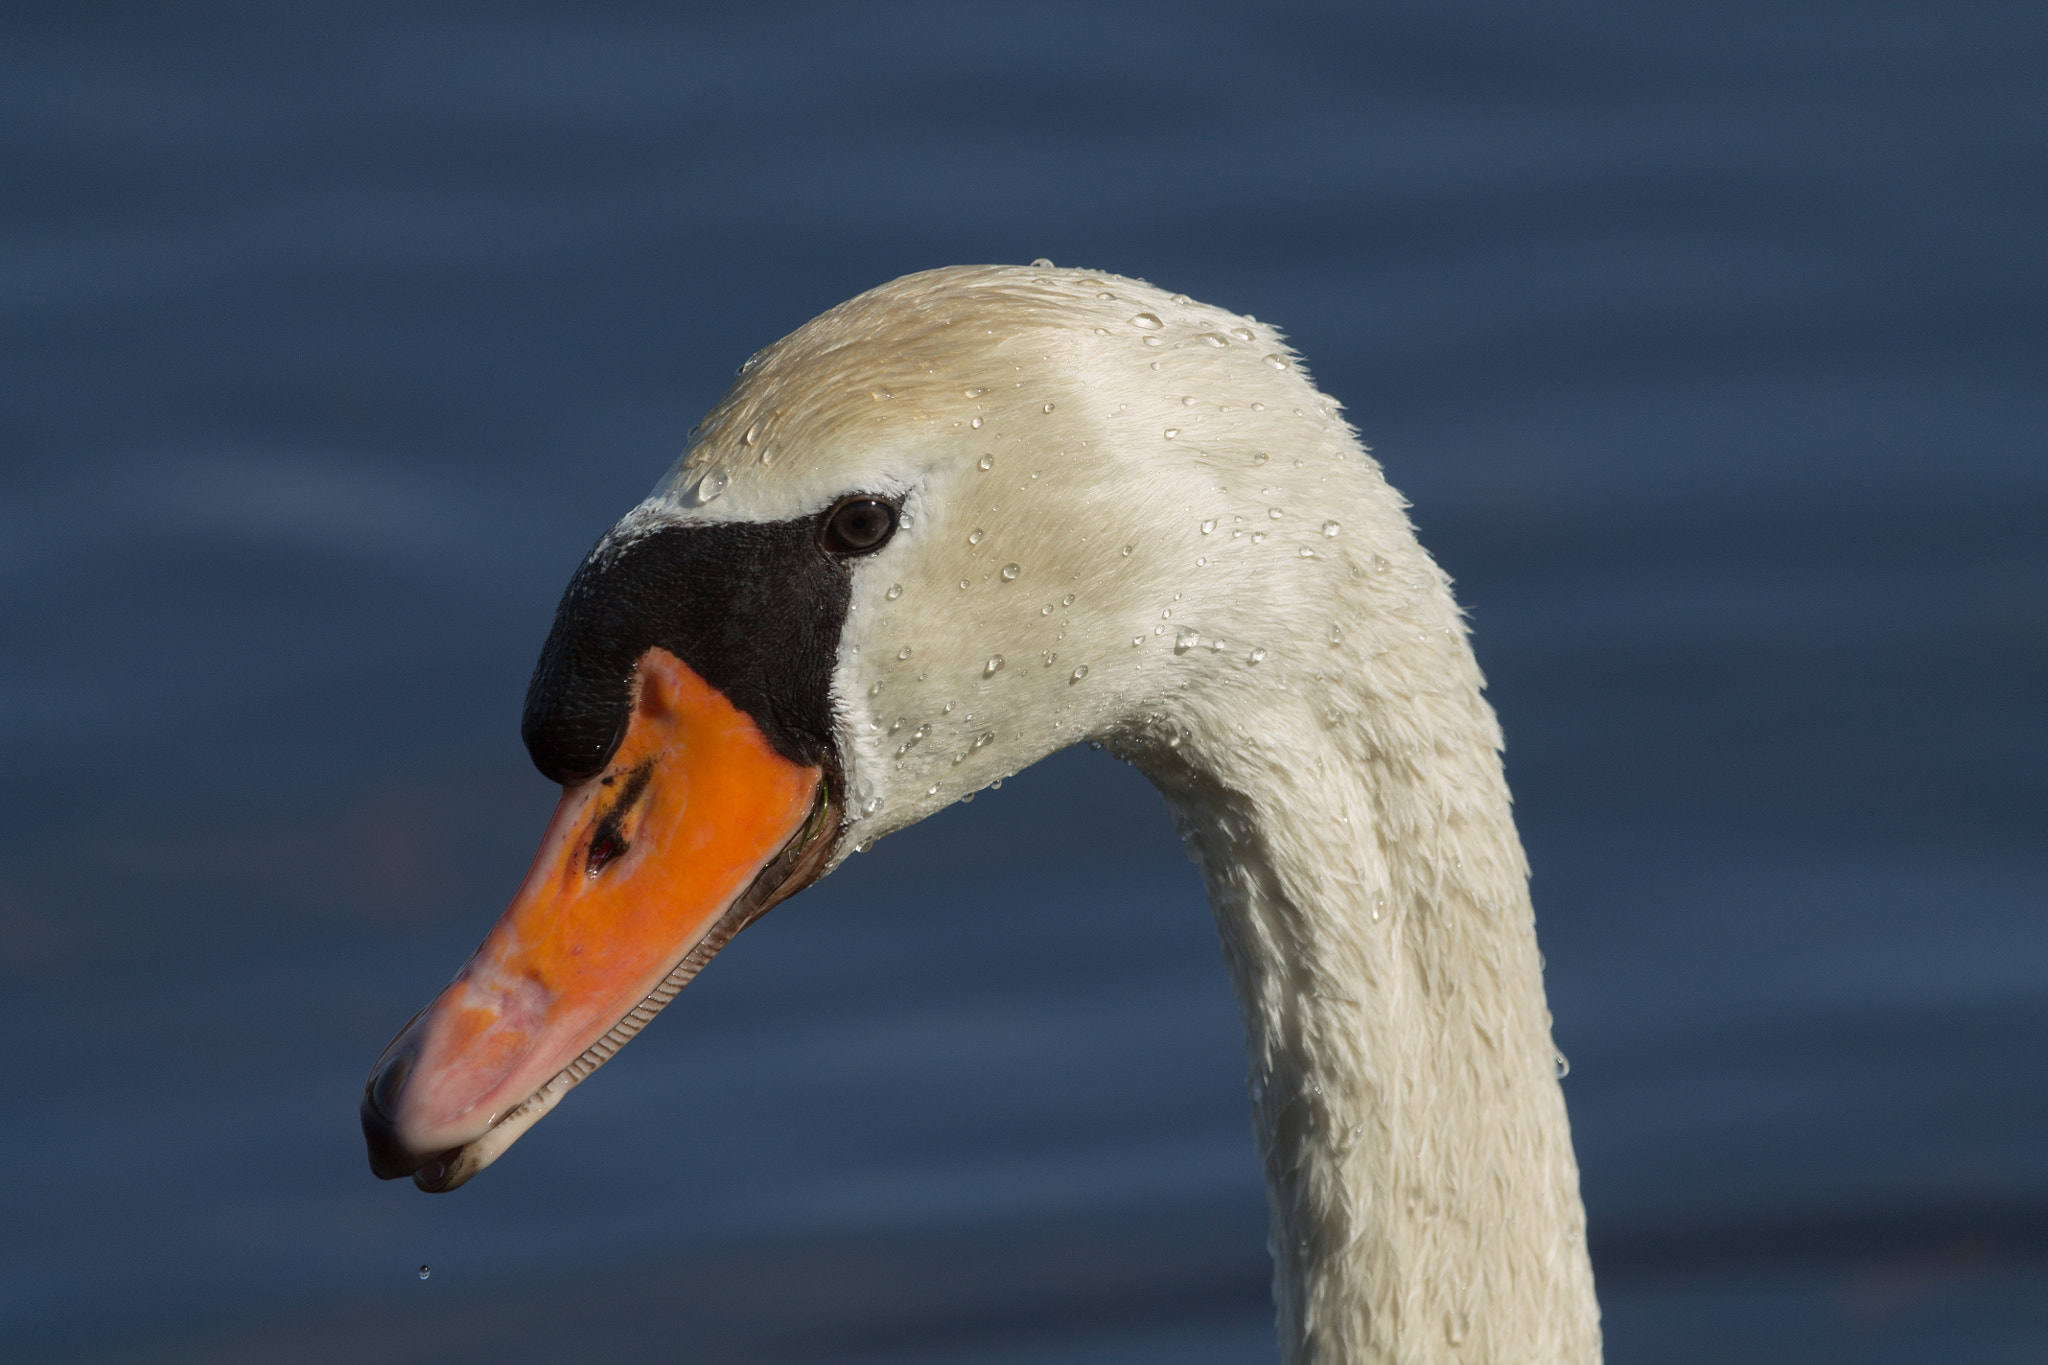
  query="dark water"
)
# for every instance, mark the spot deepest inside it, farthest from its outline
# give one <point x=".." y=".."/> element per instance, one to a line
<point x="1708" y="343"/>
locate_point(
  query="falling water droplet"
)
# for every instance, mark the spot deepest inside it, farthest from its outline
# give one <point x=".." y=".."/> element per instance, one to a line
<point x="1185" y="640"/>
<point x="426" y="1271"/>
<point x="895" y="591"/>
<point x="988" y="670"/>
<point x="1564" y="1066"/>
<point x="1079" y="673"/>
<point x="1149" y="321"/>
<point x="1331" y="528"/>
<point x="1258" y="656"/>
<point x="1010" y="572"/>
<point x="1278" y="362"/>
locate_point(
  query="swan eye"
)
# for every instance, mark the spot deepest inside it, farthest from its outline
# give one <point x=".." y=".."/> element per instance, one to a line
<point x="857" y="526"/>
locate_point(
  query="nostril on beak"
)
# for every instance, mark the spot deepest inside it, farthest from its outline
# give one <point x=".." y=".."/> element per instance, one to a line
<point x="386" y="1085"/>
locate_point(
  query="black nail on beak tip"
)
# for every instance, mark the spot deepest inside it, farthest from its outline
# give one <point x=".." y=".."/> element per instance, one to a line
<point x="389" y="1159"/>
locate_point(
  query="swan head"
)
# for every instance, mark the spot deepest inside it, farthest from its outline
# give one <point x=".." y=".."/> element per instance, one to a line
<point x="943" y="530"/>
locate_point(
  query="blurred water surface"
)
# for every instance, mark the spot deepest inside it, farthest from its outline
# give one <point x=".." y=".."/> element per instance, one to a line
<point x="1707" y="341"/>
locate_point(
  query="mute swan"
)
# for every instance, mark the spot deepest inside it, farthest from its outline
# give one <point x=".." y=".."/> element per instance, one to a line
<point x="956" y="524"/>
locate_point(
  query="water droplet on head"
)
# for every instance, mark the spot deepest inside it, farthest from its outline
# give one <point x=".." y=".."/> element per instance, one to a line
<point x="709" y="487"/>
<point x="1046" y="408"/>
<point x="1172" y="432"/>
<point x="1067" y="601"/>
<point x="976" y="423"/>
<point x="1045" y="610"/>
<point x="1010" y="572"/>
<point x="1278" y="362"/>
<point x="1257" y="536"/>
<point x="1275" y="513"/>
<point x="1078" y="674"/>
<point x="947" y="709"/>
<point x="1306" y="553"/>
<point x="975" y="393"/>
<point x="753" y="434"/>
<point x="1258" y="656"/>
<point x="1260" y="457"/>
<point x="1208" y="526"/>
<point x="1185" y="640"/>
<point x="988" y="462"/>
<point x="874" y="804"/>
<point x="895" y="591"/>
<point x="1149" y="321"/>
<point x="875" y="691"/>
<point x="903" y="653"/>
<point x="1214" y="339"/>
<point x="1042" y="264"/>
<point x="1128" y="549"/>
<point x="988" y="670"/>
<point x="1188" y="401"/>
<point x="974" y="536"/>
<point x="932" y="790"/>
<point x="1336" y="636"/>
<point x="1241" y="333"/>
<point x="1564" y="1067"/>
<point x="1331" y="528"/>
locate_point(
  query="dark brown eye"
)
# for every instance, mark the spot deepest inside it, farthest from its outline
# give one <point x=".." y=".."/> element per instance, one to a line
<point x="857" y="526"/>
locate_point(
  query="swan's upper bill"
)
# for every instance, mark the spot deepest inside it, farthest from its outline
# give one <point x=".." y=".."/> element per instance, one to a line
<point x="954" y="525"/>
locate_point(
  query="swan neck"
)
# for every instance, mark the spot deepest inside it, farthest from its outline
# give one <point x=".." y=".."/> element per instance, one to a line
<point x="1372" y="899"/>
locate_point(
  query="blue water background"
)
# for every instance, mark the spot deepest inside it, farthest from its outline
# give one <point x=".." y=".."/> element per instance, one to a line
<point x="1707" y="340"/>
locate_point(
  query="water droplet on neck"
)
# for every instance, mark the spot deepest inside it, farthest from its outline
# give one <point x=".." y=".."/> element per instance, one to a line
<point x="709" y="487"/>
<point x="1185" y="640"/>
<point x="1149" y="321"/>
<point x="1010" y="572"/>
<point x="1046" y="408"/>
<point x="752" y="435"/>
<point x="903" y="653"/>
<point x="976" y="393"/>
<point x="1208" y="526"/>
<point x="1275" y="513"/>
<point x="1172" y="432"/>
<point x="1331" y="528"/>
<point x="976" y="424"/>
<point x="1336" y="636"/>
<point x="1241" y="333"/>
<point x="1042" y="264"/>
<point x="895" y="591"/>
<point x="1078" y="674"/>
<point x="1278" y="362"/>
<point x="1128" y="549"/>
<point x="1067" y="601"/>
<point x="974" y="537"/>
<point x="989" y="669"/>
<point x="988" y="462"/>
<point x="1258" y="656"/>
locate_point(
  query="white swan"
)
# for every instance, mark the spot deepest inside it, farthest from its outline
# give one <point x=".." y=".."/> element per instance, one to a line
<point x="946" y="529"/>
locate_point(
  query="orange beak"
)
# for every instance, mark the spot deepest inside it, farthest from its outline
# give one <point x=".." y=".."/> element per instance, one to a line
<point x="695" y="828"/>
